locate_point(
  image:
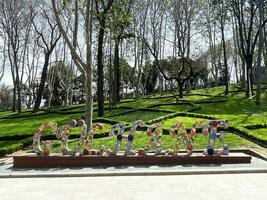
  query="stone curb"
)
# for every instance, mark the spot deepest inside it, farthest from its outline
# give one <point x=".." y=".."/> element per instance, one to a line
<point x="171" y="173"/>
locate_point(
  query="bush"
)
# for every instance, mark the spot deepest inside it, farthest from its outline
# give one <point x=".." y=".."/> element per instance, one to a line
<point x="255" y="126"/>
<point x="15" y="146"/>
<point x="245" y="134"/>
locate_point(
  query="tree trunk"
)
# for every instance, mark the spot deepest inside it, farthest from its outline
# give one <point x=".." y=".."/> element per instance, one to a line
<point x="49" y="100"/>
<point x="160" y="84"/>
<point x="88" y="68"/>
<point x="188" y="87"/>
<point x="17" y="82"/>
<point x="19" y="96"/>
<point x="117" y="73"/>
<point x="137" y="89"/>
<point x="180" y="89"/>
<point x="100" y="71"/>
<point x="225" y="63"/>
<point x="42" y="85"/>
<point x="71" y="95"/>
<point x="249" y="62"/>
<point x="14" y="99"/>
<point x="89" y="99"/>
<point x="29" y="103"/>
<point x="243" y="76"/>
<point x="66" y="100"/>
<point x="258" y="75"/>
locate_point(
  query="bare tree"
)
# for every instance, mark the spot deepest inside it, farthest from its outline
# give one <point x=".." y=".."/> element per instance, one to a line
<point x="222" y="15"/>
<point x="157" y="13"/>
<point x="85" y="67"/>
<point x="121" y="19"/>
<point x="3" y="57"/>
<point x="14" y="20"/>
<point x="210" y="27"/>
<point x="102" y="12"/>
<point x="48" y="36"/>
<point x="245" y="14"/>
<point x="181" y="19"/>
<point x="258" y="71"/>
<point x="32" y="63"/>
<point x="141" y="30"/>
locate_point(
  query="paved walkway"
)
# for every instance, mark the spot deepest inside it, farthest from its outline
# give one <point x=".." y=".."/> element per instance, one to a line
<point x="225" y="186"/>
<point x="256" y="166"/>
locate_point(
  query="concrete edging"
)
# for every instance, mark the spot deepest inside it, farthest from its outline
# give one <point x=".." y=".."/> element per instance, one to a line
<point x="191" y="172"/>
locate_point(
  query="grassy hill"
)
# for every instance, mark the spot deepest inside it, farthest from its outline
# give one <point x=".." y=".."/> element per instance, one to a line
<point x="246" y="119"/>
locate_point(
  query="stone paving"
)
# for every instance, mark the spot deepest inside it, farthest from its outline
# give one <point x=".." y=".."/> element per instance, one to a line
<point x="218" y="182"/>
<point x="219" y="187"/>
<point x="256" y="166"/>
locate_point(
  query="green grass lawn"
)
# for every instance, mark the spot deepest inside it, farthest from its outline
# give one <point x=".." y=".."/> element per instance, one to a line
<point x="138" y="115"/>
<point x="141" y="103"/>
<point x="239" y="110"/>
<point x="24" y="113"/>
<point x="176" y="108"/>
<point x="188" y="121"/>
<point x="13" y="145"/>
<point x="168" y="142"/>
<point x="28" y="125"/>
<point x="259" y="133"/>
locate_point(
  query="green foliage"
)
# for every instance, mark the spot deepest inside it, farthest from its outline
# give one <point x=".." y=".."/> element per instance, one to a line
<point x="178" y="68"/>
<point x="120" y="17"/>
<point x="7" y="147"/>
<point x="168" y="142"/>
<point x="244" y="116"/>
<point x="5" y="97"/>
<point x="65" y="2"/>
<point x="127" y="73"/>
<point x="149" y="78"/>
<point x="259" y="133"/>
<point x="62" y="77"/>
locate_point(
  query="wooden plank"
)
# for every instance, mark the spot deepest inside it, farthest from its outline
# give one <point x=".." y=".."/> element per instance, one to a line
<point x="54" y="161"/>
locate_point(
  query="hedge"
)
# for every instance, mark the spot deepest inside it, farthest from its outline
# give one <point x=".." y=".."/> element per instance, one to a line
<point x="108" y="121"/>
<point x="23" y="115"/>
<point x="160" y="97"/>
<point x="15" y="137"/>
<point x="211" y="101"/>
<point x="245" y="134"/>
<point x="255" y="126"/>
<point x="170" y="104"/>
<point x="15" y="147"/>
<point x="194" y="109"/>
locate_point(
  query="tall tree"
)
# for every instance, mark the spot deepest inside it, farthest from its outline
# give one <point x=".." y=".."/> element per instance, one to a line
<point x="3" y="59"/>
<point x="260" y="46"/>
<point x="121" y="18"/>
<point x="157" y="12"/>
<point x="245" y="12"/>
<point x="102" y="10"/>
<point x="223" y="16"/>
<point x="180" y="70"/>
<point x="85" y="66"/>
<point x="48" y="36"/>
<point x="14" y="20"/>
<point x="31" y="71"/>
<point x="140" y="28"/>
<point x="221" y="13"/>
<point x="210" y="27"/>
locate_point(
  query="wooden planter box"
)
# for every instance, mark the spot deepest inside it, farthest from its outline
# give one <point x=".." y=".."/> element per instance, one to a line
<point x="58" y="160"/>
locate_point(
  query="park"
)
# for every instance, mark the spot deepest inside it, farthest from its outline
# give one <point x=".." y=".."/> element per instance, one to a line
<point x="133" y="93"/>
